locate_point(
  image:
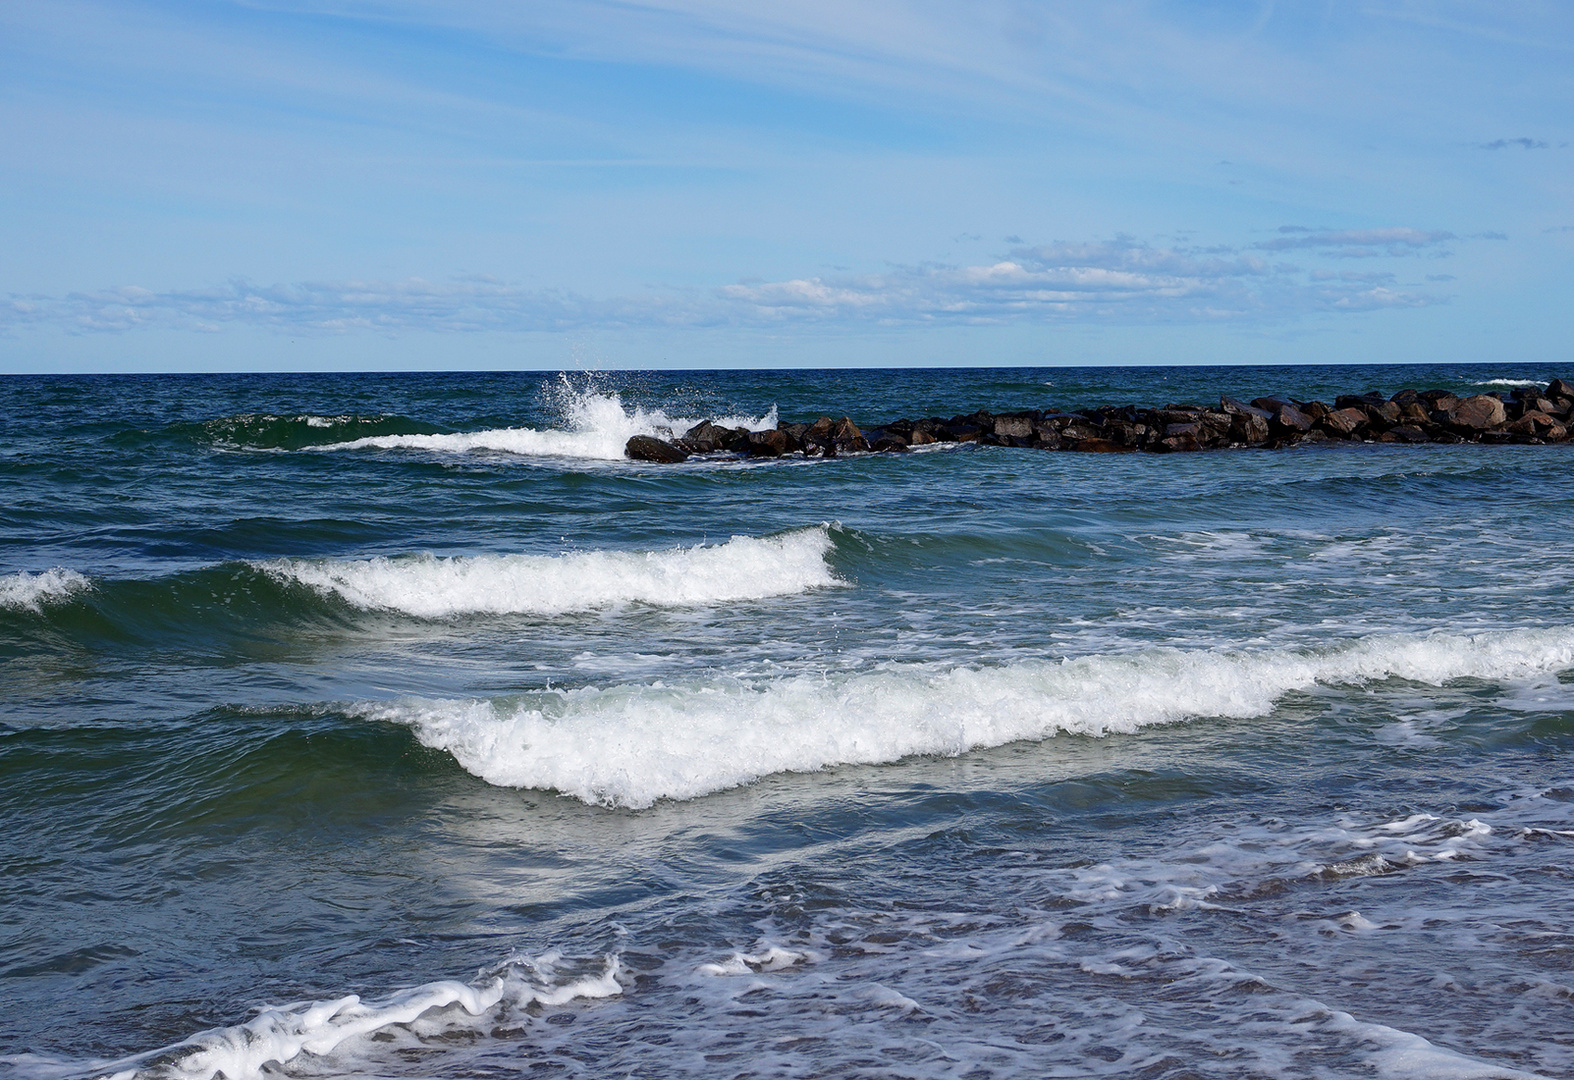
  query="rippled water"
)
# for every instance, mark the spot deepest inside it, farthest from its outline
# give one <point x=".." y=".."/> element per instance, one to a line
<point x="396" y="726"/>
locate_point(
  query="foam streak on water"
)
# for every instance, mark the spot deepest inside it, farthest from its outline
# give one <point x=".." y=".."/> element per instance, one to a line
<point x="631" y="745"/>
<point x="744" y="568"/>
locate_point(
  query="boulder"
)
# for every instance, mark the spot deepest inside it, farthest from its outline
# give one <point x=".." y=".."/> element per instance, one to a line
<point x="922" y="437"/>
<point x="1344" y="423"/>
<point x="1534" y="422"/>
<point x="1480" y="413"/>
<point x="1408" y="433"/>
<point x="1014" y="426"/>
<point x="1560" y="388"/>
<point x="1101" y="446"/>
<point x="888" y="444"/>
<point x="844" y="430"/>
<point x="706" y="437"/>
<point x="1236" y="408"/>
<point x="1289" y="419"/>
<point x="649" y="448"/>
<point x="769" y="443"/>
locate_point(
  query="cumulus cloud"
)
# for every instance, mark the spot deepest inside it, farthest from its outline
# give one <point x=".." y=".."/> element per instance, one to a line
<point x="1115" y="281"/>
<point x="1355" y="243"/>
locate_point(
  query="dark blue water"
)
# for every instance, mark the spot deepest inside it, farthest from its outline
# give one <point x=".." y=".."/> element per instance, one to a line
<point x="396" y="725"/>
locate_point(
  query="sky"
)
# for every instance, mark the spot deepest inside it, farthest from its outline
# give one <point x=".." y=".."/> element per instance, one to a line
<point x="459" y="184"/>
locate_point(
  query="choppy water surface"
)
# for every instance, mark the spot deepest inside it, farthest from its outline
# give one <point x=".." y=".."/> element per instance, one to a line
<point x="396" y="726"/>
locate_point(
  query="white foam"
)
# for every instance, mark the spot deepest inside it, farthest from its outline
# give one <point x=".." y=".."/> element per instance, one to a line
<point x="33" y="590"/>
<point x="743" y="568"/>
<point x="1510" y="382"/>
<point x="631" y="745"/>
<point x="280" y="1034"/>
<point x="598" y="427"/>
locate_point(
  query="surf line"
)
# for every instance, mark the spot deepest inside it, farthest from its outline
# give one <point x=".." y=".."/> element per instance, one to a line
<point x="1528" y="415"/>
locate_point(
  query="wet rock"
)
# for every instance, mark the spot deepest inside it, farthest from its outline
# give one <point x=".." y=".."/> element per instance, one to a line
<point x="1356" y="401"/>
<point x="844" y="430"/>
<point x="1406" y="433"/>
<point x="1102" y="446"/>
<point x="1535" y="422"/>
<point x="888" y="444"/>
<point x="1559" y="388"/>
<point x="960" y="432"/>
<point x="1233" y="407"/>
<point x="1405" y="398"/>
<point x="1344" y="423"/>
<point x="1479" y="413"/>
<point x="1290" y="420"/>
<point x="921" y="437"/>
<point x="1016" y="426"/>
<point x="768" y="443"/>
<point x="650" y="448"/>
<point x="1439" y="401"/>
<point x="706" y="438"/>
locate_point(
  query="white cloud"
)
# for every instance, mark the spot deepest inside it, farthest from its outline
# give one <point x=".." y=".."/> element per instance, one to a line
<point x="1122" y="281"/>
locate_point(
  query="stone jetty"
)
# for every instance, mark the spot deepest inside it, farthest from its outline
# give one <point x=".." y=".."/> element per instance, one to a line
<point x="1531" y="415"/>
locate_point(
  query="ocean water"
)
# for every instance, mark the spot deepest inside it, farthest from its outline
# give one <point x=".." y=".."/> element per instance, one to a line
<point x="395" y="726"/>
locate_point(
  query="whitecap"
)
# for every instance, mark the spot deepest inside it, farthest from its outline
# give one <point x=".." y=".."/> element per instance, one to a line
<point x="431" y="587"/>
<point x="598" y="426"/>
<point x="630" y="745"/>
<point x="31" y="591"/>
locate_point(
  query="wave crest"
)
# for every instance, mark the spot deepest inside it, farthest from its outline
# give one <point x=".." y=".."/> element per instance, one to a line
<point x="598" y="426"/>
<point x="31" y="591"/>
<point x="632" y="745"/>
<point x="432" y="587"/>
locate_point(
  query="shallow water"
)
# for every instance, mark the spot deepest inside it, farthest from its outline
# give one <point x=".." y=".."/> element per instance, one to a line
<point x="396" y="726"/>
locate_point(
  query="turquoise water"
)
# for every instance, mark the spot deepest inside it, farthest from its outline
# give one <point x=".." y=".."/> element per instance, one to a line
<point x="395" y="725"/>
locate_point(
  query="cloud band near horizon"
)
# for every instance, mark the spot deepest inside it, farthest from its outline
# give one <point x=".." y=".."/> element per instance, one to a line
<point x="1119" y="281"/>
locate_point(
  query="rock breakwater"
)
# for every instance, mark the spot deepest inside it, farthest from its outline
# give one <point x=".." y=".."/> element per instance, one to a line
<point x="1529" y="415"/>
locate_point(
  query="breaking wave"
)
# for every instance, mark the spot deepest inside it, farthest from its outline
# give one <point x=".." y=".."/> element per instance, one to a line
<point x="631" y="745"/>
<point x="280" y="1034"/>
<point x="597" y="426"/>
<point x="31" y="591"/>
<point x="431" y="587"/>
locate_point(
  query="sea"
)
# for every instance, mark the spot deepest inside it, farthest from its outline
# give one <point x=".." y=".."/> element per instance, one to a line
<point x="396" y="725"/>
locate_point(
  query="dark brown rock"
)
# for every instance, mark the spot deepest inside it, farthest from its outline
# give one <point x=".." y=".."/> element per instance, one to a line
<point x="1407" y="433"/>
<point x="844" y="430"/>
<point x="888" y="444"/>
<point x="649" y="448"/>
<point x="1102" y="446"/>
<point x="1290" y="419"/>
<point x="768" y="443"/>
<point x="1480" y="413"/>
<point x="1345" y="423"/>
<point x="1559" y="388"/>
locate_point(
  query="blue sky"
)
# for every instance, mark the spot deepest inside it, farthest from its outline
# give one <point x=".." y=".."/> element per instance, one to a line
<point x="575" y="183"/>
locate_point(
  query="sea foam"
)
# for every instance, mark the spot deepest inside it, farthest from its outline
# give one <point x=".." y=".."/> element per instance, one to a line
<point x="598" y="425"/>
<point x="31" y="591"/>
<point x="280" y="1034"/>
<point x="631" y="745"/>
<point x="426" y="586"/>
